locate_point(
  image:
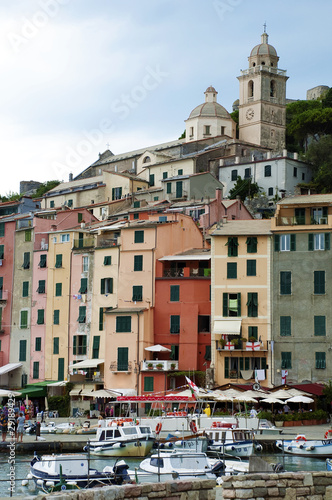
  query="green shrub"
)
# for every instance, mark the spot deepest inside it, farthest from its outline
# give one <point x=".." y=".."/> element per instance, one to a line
<point x="61" y="404"/>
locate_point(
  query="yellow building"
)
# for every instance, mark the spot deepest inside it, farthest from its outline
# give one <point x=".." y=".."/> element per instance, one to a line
<point x="240" y="302"/>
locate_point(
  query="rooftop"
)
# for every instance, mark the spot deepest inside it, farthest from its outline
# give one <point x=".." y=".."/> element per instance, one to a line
<point x="243" y="227"/>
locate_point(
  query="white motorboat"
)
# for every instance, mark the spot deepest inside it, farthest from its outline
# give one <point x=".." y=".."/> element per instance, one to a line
<point x="225" y="439"/>
<point x="319" y="448"/>
<point x="120" y="438"/>
<point x="71" y="471"/>
<point x="194" y="442"/>
<point x="66" y="428"/>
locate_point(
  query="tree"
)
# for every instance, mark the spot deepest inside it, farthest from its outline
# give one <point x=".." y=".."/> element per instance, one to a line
<point x="235" y="116"/>
<point x="10" y="196"/>
<point x="44" y="187"/>
<point x="183" y="135"/>
<point x="244" y="188"/>
<point x="319" y="155"/>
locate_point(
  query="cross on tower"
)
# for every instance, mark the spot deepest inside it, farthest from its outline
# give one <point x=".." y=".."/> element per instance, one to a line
<point x="264" y="27"/>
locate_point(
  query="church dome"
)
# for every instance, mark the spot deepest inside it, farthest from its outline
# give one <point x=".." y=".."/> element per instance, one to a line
<point x="264" y="50"/>
<point x="209" y="109"/>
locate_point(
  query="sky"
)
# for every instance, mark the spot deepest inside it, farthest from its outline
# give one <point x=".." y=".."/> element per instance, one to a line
<point x="81" y="76"/>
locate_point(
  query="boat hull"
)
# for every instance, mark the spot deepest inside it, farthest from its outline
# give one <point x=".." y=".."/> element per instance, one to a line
<point x="134" y="448"/>
<point x="303" y="448"/>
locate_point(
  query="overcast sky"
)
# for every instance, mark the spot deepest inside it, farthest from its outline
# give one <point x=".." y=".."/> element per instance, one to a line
<point x="81" y="76"/>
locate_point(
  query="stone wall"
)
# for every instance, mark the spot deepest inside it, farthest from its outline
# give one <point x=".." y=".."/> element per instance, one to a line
<point x="285" y="486"/>
<point x="172" y="490"/>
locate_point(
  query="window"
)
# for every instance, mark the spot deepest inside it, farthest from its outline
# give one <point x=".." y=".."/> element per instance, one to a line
<point x="82" y="314"/>
<point x="175" y="324"/>
<point x="26" y="260"/>
<point x="178" y="189"/>
<point x="299" y="216"/>
<point x="319" y="282"/>
<point x="180" y="171"/>
<point x="222" y="130"/>
<point x="61" y="369"/>
<point x="148" y="384"/>
<point x="138" y="262"/>
<point x="27" y="235"/>
<point x="231" y="270"/>
<point x="123" y="324"/>
<point x="137" y="293"/>
<point x="79" y="344"/>
<point x="247" y="173"/>
<point x="272" y="88"/>
<point x="319" y="215"/>
<point x="23" y="350"/>
<point x="64" y="238"/>
<point x="207" y="129"/>
<point x="174" y="352"/>
<point x="270" y="192"/>
<point x="106" y="286"/>
<point x="285" y="283"/>
<point x="40" y="316"/>
<point x="122" y="364"/>
<point x="253" y="332"/>
<point x="286" y="360"/>
<point x="35" y="370"/>
<point x="169" y="188"/>
<point x="137" y="204"/>
<point x="56" y="316"/>
<point x="2" y="229"/>
<point x="84" y="285"/>
<point x="251" y="244"/>
<point x="250" y="88"/>
<point x="165" y="175"/>
<point x="232" y="244"/>
<point x="38" y="344"/>
<point x="174" y="293"/>
<point x="231" y="304"/>
<point x="80" y="216"/>
<point x="203" y="324"/>
<point x="55" y="345"/>
<point x="191" y="131"/>
<point x="285" y="242"/>
<point x="136" y="216"/>
<point x="151" y="180"/>
<point x="139" y="237"/>
<point x="24" y="319"/>
<point x="320" y="363"/>
<point x="116" y="193"/>
<point x="101" y="319"/>
<point x="42" y="261"/>
<point x="25" y="289"/>
<point x="85" y="264"/>
<point x="207" y="355"/>
<point x="70" y="203"/>
<point x="2" y="251"/>
<point x="267" y="171"/>
<point x="320" y="326"/>
<point x="107" y="260"/>
<point x="303" y="176"/>
<point x="234" y="175"/>
<point x="319" y="241"/>
<point x="95" y="347"/>
<point x="52" y="204"/>
<point x="58" y="260"/>
<point x="251" y="268"/>
<point x="295" y="172"/>
<point x="58" y="289"/>
<point x="41" y="286"/>
<point x="252" y="304"/>
<point x="285" y="326"/>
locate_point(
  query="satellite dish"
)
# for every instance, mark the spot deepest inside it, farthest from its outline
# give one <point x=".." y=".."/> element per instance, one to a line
<point x="256" y="387"/>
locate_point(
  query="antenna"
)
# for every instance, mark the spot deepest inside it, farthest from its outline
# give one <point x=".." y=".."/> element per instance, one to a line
<point x="264" y="25"/>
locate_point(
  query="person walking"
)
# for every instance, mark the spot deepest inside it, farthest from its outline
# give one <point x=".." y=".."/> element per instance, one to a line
<point x="20" y="427"/>
<point x="4" y="425"/>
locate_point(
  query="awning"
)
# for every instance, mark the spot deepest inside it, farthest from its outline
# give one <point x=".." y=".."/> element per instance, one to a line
<point x="227" y="326"/>
<point x="75" y="392"/>
<point x="87" y="363"/>
<point x="125" y="392"/>
<point x="157" y="348"/>
<point x="34" y="392"/>
<point x="106" y="394"/>
<point x="186" y="257"/>
<point x="62" y="383"/>
<point x="88" y="393"/>
<point x="9" y="367"/>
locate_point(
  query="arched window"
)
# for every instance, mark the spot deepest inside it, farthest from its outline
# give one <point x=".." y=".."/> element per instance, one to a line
<point x="272" y="88"/>
<point x="250" y="88"/>
<point x="147" y="159"/>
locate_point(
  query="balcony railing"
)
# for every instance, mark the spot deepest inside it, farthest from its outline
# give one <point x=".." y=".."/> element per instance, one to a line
<point x="106" y="242"/>
<point x="4" y="295"/>
<point x="187" y="272"/>
<point x="84" y="243"/>
<point x="242" y="346"/>
<point x="301" y="221"/>
<point x="160" y="365"/>
<point x="116" y="367"/>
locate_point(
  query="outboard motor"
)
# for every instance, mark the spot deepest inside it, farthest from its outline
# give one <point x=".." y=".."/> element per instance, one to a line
<point x="278" y="468"/>
<point x="120" y="472"/>
<point x="219" y="468"/>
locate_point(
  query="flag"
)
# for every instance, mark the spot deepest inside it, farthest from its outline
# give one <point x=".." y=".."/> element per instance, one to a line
<point x="256" y="376"/>
<point x="193" y="387"/>
<point x="284" y="374"/>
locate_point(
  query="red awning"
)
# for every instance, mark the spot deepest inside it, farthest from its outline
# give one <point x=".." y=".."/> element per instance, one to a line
<point x="152" y="398"/>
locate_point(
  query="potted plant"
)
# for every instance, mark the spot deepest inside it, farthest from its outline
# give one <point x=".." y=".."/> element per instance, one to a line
<point x="173" y="366"/>
<point x="150" y="366"/>
<point x="159" y="366"/>
<point x="232" y="374"/>
<point x="222" y="343"/>
<point x="235" y="342"/>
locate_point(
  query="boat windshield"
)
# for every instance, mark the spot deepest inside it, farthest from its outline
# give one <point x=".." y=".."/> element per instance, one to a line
<point x="193" y="462"/>
<point x="157" y="462"/>
<point x="145" y="430"/>
<point x="129" y="430"/>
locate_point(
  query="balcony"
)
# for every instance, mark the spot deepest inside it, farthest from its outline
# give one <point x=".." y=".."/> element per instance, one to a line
<point x="116" y="367"/>
<point x="301" y="221"/>
<point x="84" y="243"/>
<point x="240" y="345"/>
<point x="187" y="272"/>
<point x="4" y="295"/>
<point x="160" y="365"/>
<point x="106" y="242"/>
<point x="98" y="377"/>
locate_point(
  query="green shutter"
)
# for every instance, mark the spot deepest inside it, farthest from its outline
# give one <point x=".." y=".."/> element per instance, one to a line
<point x="123" y="324"/>
<point x="151" y="180"/>
<point x="320" y="326"/>
<point x="139" y="236"/>
<point x="320" y="360"/>
<point x="327" y="241"/>
<point x="58" y="260"/>
<point x="231" y="270"/>
<point x="175" y="293"/>
<point x="28" y="235"/>
<point x="226" y="367"/>
<point x="24" y="319"/>
<point x="101" y="319"/>
<point x="35" y="373"/>
<point x="42" y="261"/>
<point x="175" y="324"/>
<point x="40" y="317"/>
<point x="319" y="282"/>
<point x="325" y="211"/>
<point x="84" y="285"/>
<point x="26" y="260"/>
<point x="251" y="244"/>
<point x="58" y="289"/>
<point x="25" y="289"/>
<point x="180" y="171"/>
<point x="263" y="363"/>
<point x="253" y="332"/>
<point x="95" y="347"/>
<point x="293" y="242"/>
<point x="169" y="188"/>
<point x="122" y="359"/>
<point x="207" y="355"/>
<point x="310" y="242"/>
<point x="23" y="350"/>
<point x="148" y="384"/>
<point x="75" y="344"/>
<point x="55" y="345"/>
<point x="286" y="360"/>
<point x="2" y="251"/>
<point x="225" y="305"/>
<point x="178" y="189"/>
<point x="56" y="316"/>
<point x="83" y="345"/>
<point x="82" y="314"/>
<point x="247" y="363"/>
<point x="232" y="244"/>
<point x="277" y="243"/>
<point x="107" y="260"/>
<point x="251" y="268"/>
<point x="61" y="369"/>
<point x="102" y="286"/>
<point x="165" y="175"/>
<point x="137" y="293"/>
<point x="241" y="363"/>
<point x="41" y="286"/>
<point x="137" y="204"/>
<point x="285" y="283"/>
<point x="38" y="343"/>
<point x="138" y="262"/>
<point x="0" y="323"/>
<point x="285" y="326"/>
<point x="2" y="229"/>
<point x="252" y="304"/>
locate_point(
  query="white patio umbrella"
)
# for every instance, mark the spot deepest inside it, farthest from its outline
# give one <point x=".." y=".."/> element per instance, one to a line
<point x="4" y="393"/>
<point x="157" y="348"/>
<point x="300" y="399"/>
<point x="272" y="400"/>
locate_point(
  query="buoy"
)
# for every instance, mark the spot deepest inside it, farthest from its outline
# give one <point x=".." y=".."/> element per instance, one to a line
<point x="25" y="482"/>
<point x="158" y="428"/>
<point x="49" y="484"/>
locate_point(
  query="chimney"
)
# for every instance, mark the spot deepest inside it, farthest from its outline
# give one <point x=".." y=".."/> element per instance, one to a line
<point x="237" y="160"/>
<point x="70" y="177"/>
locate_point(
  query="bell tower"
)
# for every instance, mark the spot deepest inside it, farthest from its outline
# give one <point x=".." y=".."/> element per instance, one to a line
<point x="262" y="104"/>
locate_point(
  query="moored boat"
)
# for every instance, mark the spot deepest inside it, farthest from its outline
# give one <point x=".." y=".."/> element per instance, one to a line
<point x="320" y="448"/>
<point x="224" y="438"/>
